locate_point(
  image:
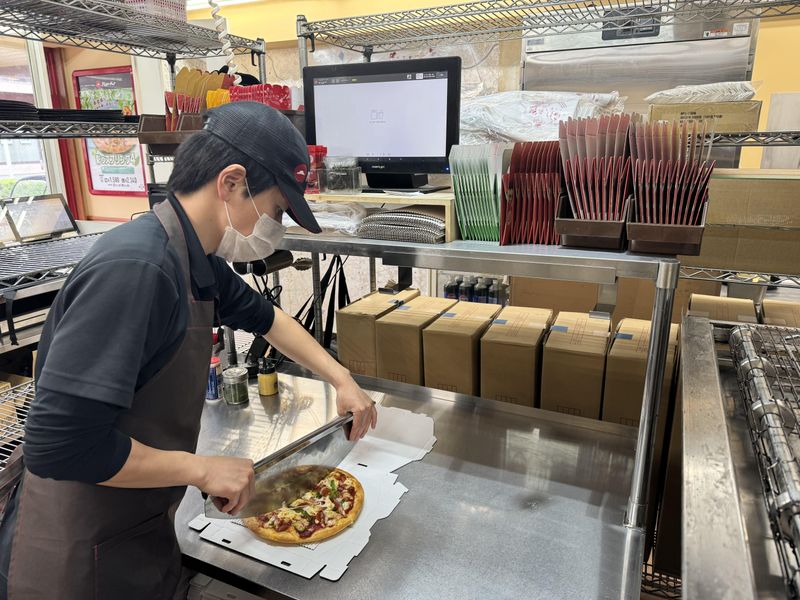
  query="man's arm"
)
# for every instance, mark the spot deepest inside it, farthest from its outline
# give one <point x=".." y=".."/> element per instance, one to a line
<point x="291" y="339"/>
<point x="219" y="476"/>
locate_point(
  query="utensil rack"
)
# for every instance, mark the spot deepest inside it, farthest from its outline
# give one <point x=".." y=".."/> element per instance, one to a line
<point x="767" y="362"/>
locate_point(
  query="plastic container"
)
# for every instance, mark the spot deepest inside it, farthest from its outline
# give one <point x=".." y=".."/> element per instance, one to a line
<point x="340" y="180"/>
<point x="214" y="387"/>
<point x="650" y="238"/>
<point x="451" y="289"/>
<point x="588" y="233"/>
<point x="466" y="290"/>
<point x="481" y="291"/>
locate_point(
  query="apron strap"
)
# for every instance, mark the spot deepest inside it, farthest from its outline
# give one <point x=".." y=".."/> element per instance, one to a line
<point x="169" y="219"/>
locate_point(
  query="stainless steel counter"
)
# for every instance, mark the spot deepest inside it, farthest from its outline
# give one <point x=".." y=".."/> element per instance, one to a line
<point x="511" y="503"/>
<point x="728" y="548"/>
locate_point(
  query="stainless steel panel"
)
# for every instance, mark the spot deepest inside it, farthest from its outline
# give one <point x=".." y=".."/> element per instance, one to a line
<point x="636" y="71"/>
<point x="551" y="262"/>
<point x="518" y="502"/>
<point x="716" y="556"/>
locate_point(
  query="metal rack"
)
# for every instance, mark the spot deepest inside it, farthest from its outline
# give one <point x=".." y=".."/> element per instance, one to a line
<point x="14" y="406"/>
<point x="755" y="138"/>
<point x="34" y="264"/>
<point x="728" y="276"/>
<point x="65" y="129"/>
<point x="493" y="20"/>
<point x="767" y="361"/>
<point x="114" y="27"/>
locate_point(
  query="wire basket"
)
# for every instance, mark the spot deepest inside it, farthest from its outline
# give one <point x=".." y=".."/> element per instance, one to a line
<point x="165" y="9"/>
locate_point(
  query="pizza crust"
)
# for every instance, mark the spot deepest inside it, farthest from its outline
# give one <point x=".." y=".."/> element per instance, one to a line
<point x="291" y="536"/>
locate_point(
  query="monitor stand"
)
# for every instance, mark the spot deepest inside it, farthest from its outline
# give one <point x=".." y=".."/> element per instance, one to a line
<point x="400" y="182"/>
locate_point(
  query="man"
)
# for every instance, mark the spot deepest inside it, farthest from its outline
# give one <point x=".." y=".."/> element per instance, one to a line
<point x="123" y="365"/>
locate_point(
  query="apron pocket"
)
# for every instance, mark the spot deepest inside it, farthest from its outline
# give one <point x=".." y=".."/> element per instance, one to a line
<point x="138" y="563"/>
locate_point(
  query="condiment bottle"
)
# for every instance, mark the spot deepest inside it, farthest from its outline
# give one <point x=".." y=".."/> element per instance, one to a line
<point x="267" y="378"/>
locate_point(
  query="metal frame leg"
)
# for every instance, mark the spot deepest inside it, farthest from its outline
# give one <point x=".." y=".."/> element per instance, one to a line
<point x="262" y="61"/>
<point x="373" y="275"/>
<point x="302" y="42"/>
<point x="318" y="299"/>
<point x="666" y="283"/>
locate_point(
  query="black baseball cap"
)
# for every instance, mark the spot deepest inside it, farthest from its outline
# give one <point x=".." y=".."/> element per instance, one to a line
<point x="270" y="139"/>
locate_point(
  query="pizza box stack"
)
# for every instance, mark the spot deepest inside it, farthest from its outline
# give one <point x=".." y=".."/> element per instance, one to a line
<point x="401" y="437"/>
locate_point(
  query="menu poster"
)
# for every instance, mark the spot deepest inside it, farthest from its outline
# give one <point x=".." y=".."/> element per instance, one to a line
<point x="115" y="165"/>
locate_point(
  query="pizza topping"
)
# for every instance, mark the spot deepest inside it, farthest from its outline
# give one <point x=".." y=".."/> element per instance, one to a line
<point x="300" y="525"/>
<point x="281" y="525"/>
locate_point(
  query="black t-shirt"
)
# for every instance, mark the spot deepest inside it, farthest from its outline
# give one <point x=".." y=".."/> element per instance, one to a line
<point x="119" y="318"/>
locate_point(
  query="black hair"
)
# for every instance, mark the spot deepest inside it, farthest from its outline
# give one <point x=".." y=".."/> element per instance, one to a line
<point x="201" y="158"/>
<point x="246" y="78"/>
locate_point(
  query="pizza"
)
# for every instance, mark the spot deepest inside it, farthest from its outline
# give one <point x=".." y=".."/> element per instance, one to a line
<point x="332" y="506"/>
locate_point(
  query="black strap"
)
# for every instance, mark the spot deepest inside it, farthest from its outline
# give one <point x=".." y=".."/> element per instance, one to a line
<point x="335" y="282"/>
<point x="8" y="308"/>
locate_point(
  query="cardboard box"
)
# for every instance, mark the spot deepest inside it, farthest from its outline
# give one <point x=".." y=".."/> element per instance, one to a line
<point x="511" y="353"/>
<point x="625" y="371"/>
<point x="451" y="347"/>
<point x="355" y="329"/>
<point x="782" y="313"/>
<point x="553" y="294"/>
<point x="737" y="310"/>
<point x="748" y="249"/>
<point x="757" y="197"/>
<point x="399" y="338"/>
<point x="634" y="296"/>
<point x="728" y="116"/>
<point x="573" y="364"/>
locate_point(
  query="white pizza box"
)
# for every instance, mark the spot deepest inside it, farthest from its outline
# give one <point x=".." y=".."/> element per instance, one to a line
<point x="401" y="437"/>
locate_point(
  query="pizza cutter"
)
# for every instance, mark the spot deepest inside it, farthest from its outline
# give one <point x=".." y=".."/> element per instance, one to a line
<point x="288" y="474"/>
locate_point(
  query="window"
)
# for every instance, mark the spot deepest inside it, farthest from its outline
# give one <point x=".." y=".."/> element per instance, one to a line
<point x="23" y="167"/>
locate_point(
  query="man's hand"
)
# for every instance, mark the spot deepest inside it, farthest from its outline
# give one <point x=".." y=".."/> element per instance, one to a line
<point x="226" y="477"/>
<point x="350" y="398"/>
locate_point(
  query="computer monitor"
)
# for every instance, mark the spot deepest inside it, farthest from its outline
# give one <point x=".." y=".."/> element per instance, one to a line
<point x="399" y="118"/>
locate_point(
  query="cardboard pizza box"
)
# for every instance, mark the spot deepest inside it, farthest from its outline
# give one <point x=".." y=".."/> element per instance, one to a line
<point x="355" y="329"/>
<point x="399" y="338"/>
<point x="451" y="347"/>
<point x="573" y="364"/>
<point x="511" y="355"/>
<point x="735" y="310"/>
<point x="781" y="313"/>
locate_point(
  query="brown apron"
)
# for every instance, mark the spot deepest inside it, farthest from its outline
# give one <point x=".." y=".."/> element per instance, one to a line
<point x="81" y="541"/>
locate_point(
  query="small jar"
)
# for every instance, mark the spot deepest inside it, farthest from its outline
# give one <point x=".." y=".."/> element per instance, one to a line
<point x="267" y="378"/>
<point x="234" y="386"/>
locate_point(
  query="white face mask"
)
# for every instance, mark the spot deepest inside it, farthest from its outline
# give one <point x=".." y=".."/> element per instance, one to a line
<point x="237" y="247"/>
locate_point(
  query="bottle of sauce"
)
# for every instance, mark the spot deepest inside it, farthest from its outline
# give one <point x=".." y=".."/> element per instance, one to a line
<point x="466" y="290"/>
<point x="481" y="291"/>
<point x="267" y="378"/>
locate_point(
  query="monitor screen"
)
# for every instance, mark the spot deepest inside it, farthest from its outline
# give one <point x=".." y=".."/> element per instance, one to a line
<point x="38" y="216"/>
<point x="390" y="115"/>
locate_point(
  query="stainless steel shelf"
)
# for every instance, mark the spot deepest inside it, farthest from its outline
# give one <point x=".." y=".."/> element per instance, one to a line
<point x="756" y="138"/>
<point x="492" y="20"/>
<point x="727" y="276"/>
<point x="112" y="26"/>
<point x="65" y="129"/>
<point x="551" y="262"/>
<point x="14" y="406"/>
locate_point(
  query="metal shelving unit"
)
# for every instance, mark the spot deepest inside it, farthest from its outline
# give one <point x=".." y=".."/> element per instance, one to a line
<point x="114" y="27"/>
<point x="37" y="263"/>
<point x="728" y="276"/>
<point x="65" y="129"/>
<point x="493" y="20"/>
<point x="756" y="138"/>
<point x="14" y="406"/>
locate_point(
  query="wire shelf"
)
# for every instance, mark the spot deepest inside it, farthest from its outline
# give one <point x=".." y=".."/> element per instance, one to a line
<point x="728" y="276"/>
<point x="756" y="138"/>
<point x="65" y="129"/>
<point x="659" y="584"/>
<point x="492" y="20"/>
<point x="767" y="361"/>
<point x="35" y="263"/>
<point x="114" y="27"/>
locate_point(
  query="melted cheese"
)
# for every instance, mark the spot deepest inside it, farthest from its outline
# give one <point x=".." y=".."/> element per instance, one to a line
<point x="312" y="505"/>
